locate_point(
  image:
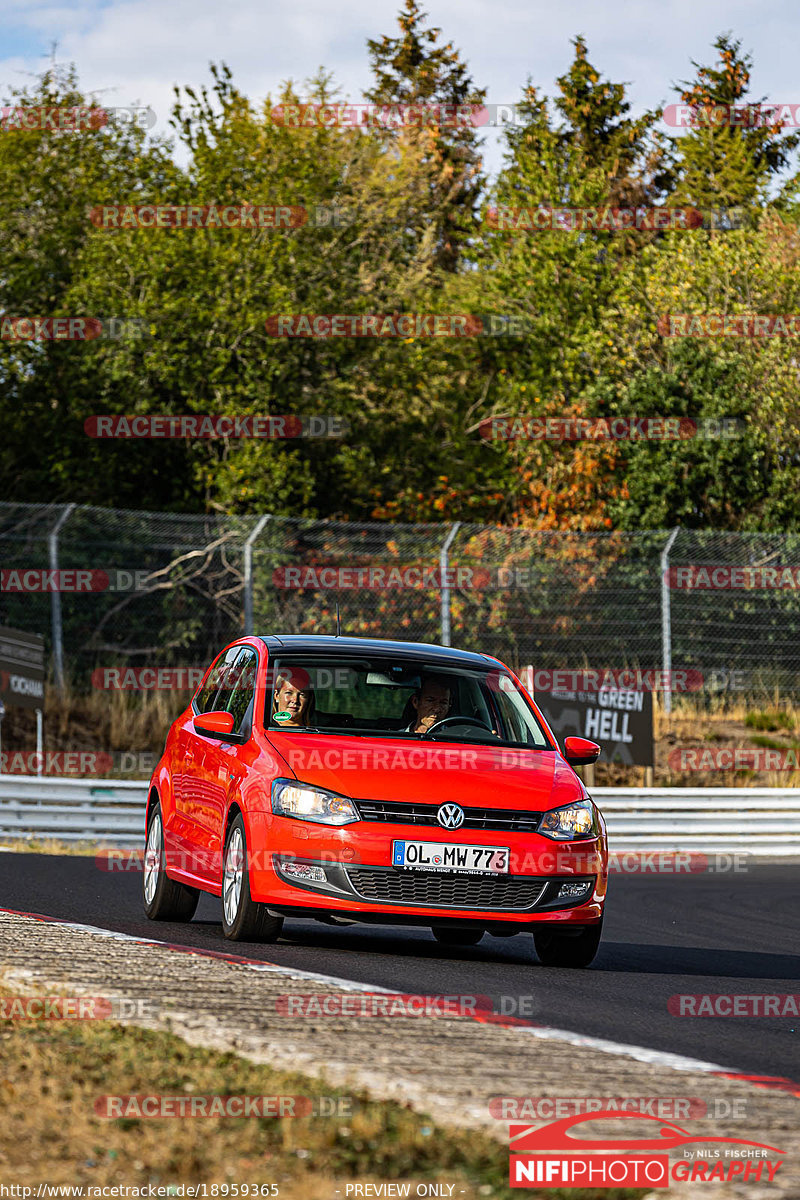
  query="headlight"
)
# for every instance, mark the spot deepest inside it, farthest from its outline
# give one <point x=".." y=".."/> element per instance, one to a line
<point x="566" y="824"/>
<point x="311" y="804"/>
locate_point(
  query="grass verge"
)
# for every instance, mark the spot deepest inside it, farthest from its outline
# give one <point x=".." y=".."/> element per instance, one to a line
<point x="53" y="1072"/>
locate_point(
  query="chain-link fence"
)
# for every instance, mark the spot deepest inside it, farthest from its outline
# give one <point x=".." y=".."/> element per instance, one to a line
<point x="152" y="590"/>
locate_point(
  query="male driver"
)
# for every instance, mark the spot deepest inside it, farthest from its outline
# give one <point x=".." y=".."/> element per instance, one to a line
<point x="431" y="703"/>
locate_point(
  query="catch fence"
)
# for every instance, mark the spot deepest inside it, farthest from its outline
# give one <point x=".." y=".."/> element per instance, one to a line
<point x="163" y="590"/>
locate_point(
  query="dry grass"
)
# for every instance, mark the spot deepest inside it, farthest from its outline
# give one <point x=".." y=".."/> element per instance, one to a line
<point x="726" y="726"/>
<point x="54" y="1071"/>
<point x="50" y="846"/>
<point x="100" y="721"/>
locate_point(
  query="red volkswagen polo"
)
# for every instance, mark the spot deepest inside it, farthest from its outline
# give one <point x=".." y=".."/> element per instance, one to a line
<point x="351" y="779"/>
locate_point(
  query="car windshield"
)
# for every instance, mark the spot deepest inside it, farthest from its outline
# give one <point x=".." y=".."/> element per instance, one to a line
<point x="391" y="697"/>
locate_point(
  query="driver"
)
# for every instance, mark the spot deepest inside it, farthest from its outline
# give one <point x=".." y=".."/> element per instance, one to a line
<point x="431" y="703"/>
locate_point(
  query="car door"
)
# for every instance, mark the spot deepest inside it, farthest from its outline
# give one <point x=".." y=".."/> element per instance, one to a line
<point x="190" y="765"/>
<point x="222" y="766"/>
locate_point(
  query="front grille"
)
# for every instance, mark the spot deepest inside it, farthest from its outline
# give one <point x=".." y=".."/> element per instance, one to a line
<point x="434" y="890"/>
<point x="509" y="820"/>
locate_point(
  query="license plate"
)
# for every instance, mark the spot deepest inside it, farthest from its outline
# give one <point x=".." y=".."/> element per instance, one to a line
<point x="444" y="856"/>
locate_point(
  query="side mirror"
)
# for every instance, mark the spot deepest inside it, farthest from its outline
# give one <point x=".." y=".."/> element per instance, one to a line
<point x="579" y="751"/>
<point x="215" y="723"/>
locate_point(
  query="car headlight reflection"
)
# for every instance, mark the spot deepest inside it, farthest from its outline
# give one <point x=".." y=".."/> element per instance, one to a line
<point x="574" y="821"/>
<point x="290" y="799"/>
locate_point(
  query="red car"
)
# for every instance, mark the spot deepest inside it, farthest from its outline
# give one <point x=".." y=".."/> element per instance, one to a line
<point x="351" y="779"/>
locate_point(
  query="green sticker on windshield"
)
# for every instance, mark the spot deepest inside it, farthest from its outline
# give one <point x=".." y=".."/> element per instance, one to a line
<point x="282" y="716"/>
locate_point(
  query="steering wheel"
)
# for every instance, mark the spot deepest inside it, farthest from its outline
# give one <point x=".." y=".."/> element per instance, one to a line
<point x="457" y="721"/>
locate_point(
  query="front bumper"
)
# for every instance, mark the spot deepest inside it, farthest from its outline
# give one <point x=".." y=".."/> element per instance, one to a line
<point x="361" y="883"/>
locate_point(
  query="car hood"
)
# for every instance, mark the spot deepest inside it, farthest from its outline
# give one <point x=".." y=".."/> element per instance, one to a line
<point x="430" y="772"/>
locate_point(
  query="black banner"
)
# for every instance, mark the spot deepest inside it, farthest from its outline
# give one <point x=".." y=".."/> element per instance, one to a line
<point x="21" y="668"/>
<point x="620" y="721"/>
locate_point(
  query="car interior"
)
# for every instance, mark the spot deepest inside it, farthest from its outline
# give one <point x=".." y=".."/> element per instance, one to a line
<point x="378" y="696"/>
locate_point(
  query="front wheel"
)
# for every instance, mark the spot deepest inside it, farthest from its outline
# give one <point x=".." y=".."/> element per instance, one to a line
<point x="164" y="899"/>
<point x="243" y="920"/>
<point x="556" y="949"/>
<point x="457" y="937"/>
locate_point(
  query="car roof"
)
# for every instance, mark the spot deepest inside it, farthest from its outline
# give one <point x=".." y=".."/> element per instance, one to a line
<point x="326" y="644"/>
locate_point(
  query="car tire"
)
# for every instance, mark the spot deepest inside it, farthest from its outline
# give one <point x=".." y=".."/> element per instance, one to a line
<point x="164" y="899"/>
<point x="457" y="937"/>
<point x="555" y="949"/>
<point x="243" y="919"/>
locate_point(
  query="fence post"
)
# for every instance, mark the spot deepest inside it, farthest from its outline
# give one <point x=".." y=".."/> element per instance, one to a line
<point x="248" y="573"/>
<point x="666" y="623"/>
<point x="444" y="582"/>
<point x="55" y="601"/>
<point x="39" y="742"/>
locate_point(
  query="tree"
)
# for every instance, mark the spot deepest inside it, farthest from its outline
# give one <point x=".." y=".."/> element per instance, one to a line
<point x="722" y="164"/>
<point x="209" y="292"/>
<point x="562" y="283"/>
<point x="50" y="179"/>
<point x="414" y="69"/>
<point x="599" y="135"/>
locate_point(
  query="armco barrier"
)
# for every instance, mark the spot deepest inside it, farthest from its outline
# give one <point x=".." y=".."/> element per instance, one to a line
<point x="721" y="820"/>
<point x="759" y="820"/>
<point x="109" y="811"/>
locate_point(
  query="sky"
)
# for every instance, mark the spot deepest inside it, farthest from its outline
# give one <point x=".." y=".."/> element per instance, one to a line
<point x="134" y="51"/>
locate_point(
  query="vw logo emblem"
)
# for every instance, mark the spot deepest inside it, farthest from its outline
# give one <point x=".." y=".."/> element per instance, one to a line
<point x="451" y="816"/>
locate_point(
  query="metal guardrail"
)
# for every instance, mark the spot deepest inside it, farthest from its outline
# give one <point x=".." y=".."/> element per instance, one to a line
<point x="110" y="812"/>
<point x="716" y="820"/>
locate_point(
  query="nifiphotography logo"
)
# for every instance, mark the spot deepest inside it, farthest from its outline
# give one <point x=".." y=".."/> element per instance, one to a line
<point x="553" y="1156"/>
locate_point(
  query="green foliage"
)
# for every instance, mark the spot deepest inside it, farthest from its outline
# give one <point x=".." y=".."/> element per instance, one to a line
<point x="770" y="721"/>
<point x="722" y="164"/>
<point x="411" y="231"/>
<point x="50" y="180"/>
<point x="414" y="69"/>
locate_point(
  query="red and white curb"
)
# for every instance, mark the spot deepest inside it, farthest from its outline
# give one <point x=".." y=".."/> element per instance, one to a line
<point x="643" y="1054"/>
